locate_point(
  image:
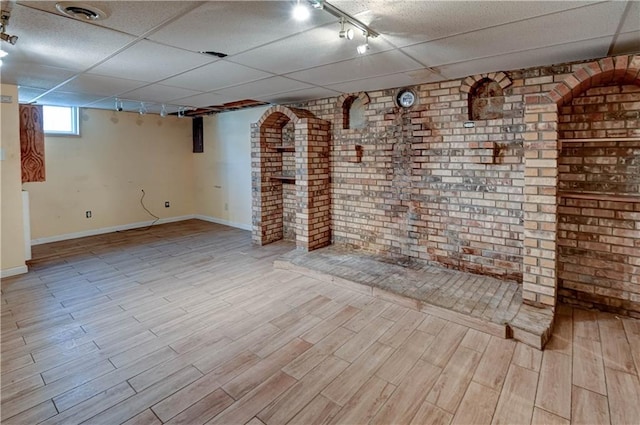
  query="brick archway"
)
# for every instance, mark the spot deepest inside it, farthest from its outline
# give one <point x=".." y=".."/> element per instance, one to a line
<point x="540" y="280"/>
<point x="312" y="189"/>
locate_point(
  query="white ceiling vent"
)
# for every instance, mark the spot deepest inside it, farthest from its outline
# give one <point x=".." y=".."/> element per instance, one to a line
<point x="81" y="11"/>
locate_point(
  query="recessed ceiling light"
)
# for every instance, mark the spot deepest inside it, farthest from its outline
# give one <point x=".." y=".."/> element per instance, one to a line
<point x="81" y="11"/>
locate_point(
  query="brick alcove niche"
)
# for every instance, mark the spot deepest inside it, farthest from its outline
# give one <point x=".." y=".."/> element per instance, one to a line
<point x="548" y="204"/>
<point x="290" y="147"/>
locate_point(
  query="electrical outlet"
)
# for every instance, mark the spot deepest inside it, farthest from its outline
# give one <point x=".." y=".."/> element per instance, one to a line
<point x="87" y="214"/>
<point x="167" y="204"/>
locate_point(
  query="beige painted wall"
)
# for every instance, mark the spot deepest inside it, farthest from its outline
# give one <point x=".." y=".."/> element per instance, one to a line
<point x="105" y="169"/>
<point x="223" y="171"/>
<point x="11" y="229"/>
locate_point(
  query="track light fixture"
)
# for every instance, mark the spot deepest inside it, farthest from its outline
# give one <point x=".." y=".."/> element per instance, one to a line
<point x="143" y="109"/>
<point x="163" y="111"/>
<point x="11" y="39"/>
<point x="338" y="13"/>
<point x="5" y="14"/>
<point x="119" y="105"/>
<point x="348" y="34"/>
<point x="181" y="112"/>
<point x="363" y="48"/>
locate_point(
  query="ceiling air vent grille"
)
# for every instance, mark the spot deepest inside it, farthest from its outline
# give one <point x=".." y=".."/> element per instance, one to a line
<point x="81" y="11"/>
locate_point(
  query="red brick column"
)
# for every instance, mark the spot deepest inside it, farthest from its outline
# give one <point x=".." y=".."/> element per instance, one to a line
<point x="540" y="202"/>
<point x="266" y="192"/>
<point x="313" y="216"/>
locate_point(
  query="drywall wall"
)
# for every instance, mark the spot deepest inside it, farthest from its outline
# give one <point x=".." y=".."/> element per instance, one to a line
<point x="223" y="172"/>
<point x="12" y="230"/>
<point x="105" y="169"/>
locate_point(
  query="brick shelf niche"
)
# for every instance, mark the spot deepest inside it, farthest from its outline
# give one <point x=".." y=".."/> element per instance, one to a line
<point x="599" y="199"/>
<point x="290" y="178"/>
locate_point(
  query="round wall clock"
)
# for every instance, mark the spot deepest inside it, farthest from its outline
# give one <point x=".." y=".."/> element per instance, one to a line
<point x="406" y="98"/>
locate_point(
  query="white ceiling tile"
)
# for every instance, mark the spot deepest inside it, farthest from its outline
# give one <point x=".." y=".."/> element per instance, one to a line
<point x="32" y="75"/>
<point x="364" y="66"/>
<point x="215" y="76"/>
<point x="131" y="17"/>
<point x="317" y="47"/>
<point x="27" y="94"/>
<point x="300" y="95"/>
<point x="626" y="43"/>
<point x="632" y="18"/>
<point x="102" y="86"/>
<point x="67" y="99"/>
<point x="205" y="99"/>
<point x="159" y="93"/>
<point x="148" y="61"/>
<point x="590" y="49"/>
<point x="262" y="88"/>
<point x="563" y="27"/>
<point x="235" y="26"/>
<point x="53" y="40"/>
<point x="400" y="79"/>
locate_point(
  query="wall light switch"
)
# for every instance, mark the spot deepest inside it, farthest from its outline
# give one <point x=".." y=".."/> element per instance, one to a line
<point x="6" y="99"/>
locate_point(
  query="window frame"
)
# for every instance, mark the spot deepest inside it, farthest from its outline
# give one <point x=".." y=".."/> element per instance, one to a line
<point x="75" y="121"/>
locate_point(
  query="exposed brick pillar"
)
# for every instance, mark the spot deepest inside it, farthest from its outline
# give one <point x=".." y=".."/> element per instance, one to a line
<point x="266" y="192"/>
<point x="313" y="215"/>
<point x="540" y="202"/>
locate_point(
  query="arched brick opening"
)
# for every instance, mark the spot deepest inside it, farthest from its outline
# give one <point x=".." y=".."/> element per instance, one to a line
<point x="344" y="104"/>
<point x="542" y="147"/>
<point x="308" y="171"/>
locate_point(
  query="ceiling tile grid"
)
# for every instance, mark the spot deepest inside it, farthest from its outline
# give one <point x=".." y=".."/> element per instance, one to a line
<point x="150" y="51"/>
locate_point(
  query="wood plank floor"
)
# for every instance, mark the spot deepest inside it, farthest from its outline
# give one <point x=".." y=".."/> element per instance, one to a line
<point x="188" y="323"/>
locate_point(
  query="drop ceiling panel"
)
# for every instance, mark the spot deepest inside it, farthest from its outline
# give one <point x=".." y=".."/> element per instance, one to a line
<point x="205" y="99"/>
<point x="536" y="57"/>
<point x="216" y="75"/>
<point x="300" y="95"/>
<point x="30" y="75"/>
<point x="365" y="66"/>
<point x="628" y="42"/>
<point x="102" y="86"/>
<point x="52" y="40"/>
<point x="400" y="79"/>
<point x="564" y="27"/>
<point x="258" y="90"/>
<point x="131" y="17"/>
<point x="632" y="18"/>
<point x="67" y="99"/>
<point x="159" y="93"/>
<point x="409" y="22"/>
<point x="235" y="26"/>
<point x="313" y="48"/>
<point x="26" y="94"/>
<point x="148" y="61"/>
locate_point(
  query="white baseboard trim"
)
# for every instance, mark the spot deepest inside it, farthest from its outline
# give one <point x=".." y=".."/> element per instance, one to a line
<point x="221" y="221"/>
<point x="103" y="230"/>
<point x="14" y="271"/>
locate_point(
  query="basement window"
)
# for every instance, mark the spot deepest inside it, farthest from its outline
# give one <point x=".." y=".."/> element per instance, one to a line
<point x="61" y="120"/>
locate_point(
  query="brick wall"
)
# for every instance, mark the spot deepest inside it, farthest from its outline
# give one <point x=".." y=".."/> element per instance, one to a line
<point x="426" y="187"/>
<point x="419" y="183"/>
